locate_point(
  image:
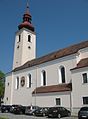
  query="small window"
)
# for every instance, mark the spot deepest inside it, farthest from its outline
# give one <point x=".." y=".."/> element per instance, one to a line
<point x="85" y="80"/>
<point x="62" y="78"/>
<point x="29" y="81"/>
<point x="63" y="74"/>
<point x="18" y="47"/>
<point x="29" y="38"/>
<point x="29" y="47"/>
<point x="19" y="38"/>
<point x="8" y="84"/>
<point x="17" y="83"/>
<point x="43" y="78"/>
<point x="85" y="100"/>
<point x="7" y="98"/>
<point x="58" y="101"/>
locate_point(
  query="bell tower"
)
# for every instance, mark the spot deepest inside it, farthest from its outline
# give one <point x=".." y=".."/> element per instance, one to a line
<point x="25" y="41"/>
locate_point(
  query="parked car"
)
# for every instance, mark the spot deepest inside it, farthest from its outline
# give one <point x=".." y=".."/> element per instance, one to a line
<point x="58" y="112"/>
<point x="41" y="111"/>
<point x="5" y="108"/>
<point x="17" y="109"/>
<point x="30" y="110"/>
<point x="27" y="110"/>
<point x="83" y="113"/>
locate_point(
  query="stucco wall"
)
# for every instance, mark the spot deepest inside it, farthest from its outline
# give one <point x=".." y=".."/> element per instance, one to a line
<point x="79" y="90"/>
<point x="23" y="53"/>
<point x="49" y="99"/>
<point x="23" y="95"/>
<point x="52" y="70"/>
<point x="8" y="89"/>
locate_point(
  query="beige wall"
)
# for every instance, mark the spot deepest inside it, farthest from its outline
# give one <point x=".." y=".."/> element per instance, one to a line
<point x="49" y="99"/>
<point x="79" y="90"/>
<point x="8" y="89"/>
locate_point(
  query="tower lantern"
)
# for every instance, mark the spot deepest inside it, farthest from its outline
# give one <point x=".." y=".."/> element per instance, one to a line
<point x="26" y="20"/>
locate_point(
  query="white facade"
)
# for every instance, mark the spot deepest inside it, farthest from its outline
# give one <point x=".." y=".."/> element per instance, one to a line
<point x="70" y="99"/>
<point x="47" y="100"/>
<point x="25" y="48"/>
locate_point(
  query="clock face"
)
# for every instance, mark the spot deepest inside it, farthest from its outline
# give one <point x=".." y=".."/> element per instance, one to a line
<point x="22" y="81"/>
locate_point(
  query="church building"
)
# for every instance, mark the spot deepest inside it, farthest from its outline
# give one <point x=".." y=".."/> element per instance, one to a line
<point x="56" y="79"/>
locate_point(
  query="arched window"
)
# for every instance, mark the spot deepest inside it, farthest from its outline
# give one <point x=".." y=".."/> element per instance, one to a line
<point x="17" y="83"/>
<point x="29" y="38"/>
<point x="43" y="78"/>
<point x="61" y="74"/>
<point x="29" y="81"/>
<point x="19" y="38"/>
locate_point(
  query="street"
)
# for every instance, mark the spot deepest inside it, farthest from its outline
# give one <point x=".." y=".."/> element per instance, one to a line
<point x="13" y="116"/>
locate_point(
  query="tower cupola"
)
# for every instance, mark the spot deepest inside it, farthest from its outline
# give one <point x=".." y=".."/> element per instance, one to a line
<point x="26" y="20"/>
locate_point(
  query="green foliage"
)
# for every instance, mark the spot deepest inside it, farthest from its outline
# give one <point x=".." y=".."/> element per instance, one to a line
<point x="2" y="87"/>
<point x="2" y="75"/>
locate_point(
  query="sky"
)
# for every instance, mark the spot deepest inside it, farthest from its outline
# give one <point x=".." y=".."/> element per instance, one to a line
<point x="58" y="24"/>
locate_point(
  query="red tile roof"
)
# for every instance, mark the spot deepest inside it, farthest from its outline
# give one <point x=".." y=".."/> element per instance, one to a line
<point x="81" y="64"/>
<point x="53" y="88"/>
<point x="55" y="55"/>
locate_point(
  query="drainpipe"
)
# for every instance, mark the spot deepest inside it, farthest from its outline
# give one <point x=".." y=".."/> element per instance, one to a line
<point x="70" y="102"/>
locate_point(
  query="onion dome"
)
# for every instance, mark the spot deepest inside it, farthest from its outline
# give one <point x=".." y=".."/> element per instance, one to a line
<point x="26" y="20"/>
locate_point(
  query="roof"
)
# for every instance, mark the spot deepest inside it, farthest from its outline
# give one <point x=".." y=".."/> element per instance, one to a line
<point x="55" y="55"/>
<point x="82" y="63"/>
<point x="53" y="88"/>
<point x="26" y="20"/>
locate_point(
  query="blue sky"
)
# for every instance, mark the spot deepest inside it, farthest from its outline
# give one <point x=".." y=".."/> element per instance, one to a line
<point x="58" y="24"/>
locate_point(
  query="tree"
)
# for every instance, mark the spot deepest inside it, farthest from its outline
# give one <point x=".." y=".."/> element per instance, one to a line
<point x="2" y="75"/>
<point x="2" y="86"/>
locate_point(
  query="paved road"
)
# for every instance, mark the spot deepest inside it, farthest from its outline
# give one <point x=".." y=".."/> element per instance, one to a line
<point x="13" y="116"/>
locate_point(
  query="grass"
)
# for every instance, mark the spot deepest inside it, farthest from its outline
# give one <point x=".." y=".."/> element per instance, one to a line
<point x="3" y="118"/>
